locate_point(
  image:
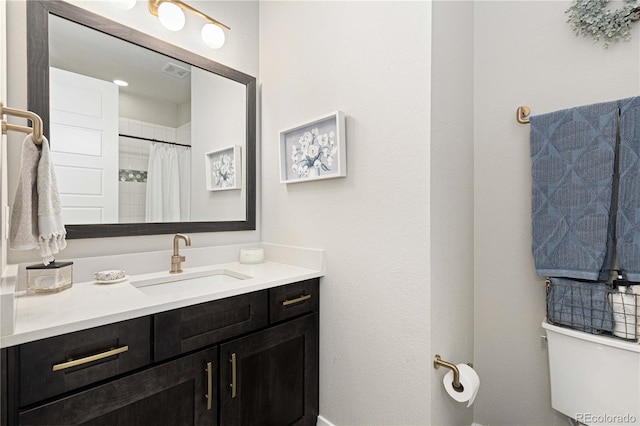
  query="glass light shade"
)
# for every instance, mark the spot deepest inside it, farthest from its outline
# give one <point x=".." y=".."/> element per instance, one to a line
<point x="171" y="16"/>
<point x="213" y="36"/>
<point x="124" y="4"/>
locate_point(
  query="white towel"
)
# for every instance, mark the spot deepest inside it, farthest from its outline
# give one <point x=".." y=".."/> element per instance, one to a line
<point x="23" y="234"/>
<point x="36" y="218"/>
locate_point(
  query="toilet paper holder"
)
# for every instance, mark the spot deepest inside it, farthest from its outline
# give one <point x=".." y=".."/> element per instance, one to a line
<point x="438" y="361"/>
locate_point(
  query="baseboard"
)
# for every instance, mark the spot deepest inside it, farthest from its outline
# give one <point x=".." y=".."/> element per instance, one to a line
<point x="323" y="422"/>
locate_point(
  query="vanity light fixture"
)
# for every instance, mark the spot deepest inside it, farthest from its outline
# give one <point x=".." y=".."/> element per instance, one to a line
<point x="124" y="4"/>
<point x="171" y="15"/>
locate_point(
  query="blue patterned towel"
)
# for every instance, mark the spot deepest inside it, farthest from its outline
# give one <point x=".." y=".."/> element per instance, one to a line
<point x="573" y="156"/>
<point x="628" y="223"/>
<point x="580" y="305"/>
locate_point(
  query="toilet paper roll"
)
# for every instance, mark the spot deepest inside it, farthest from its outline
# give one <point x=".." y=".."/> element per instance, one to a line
<point x="469" y="380"/>
<point x="624" y="313"/>
<point x="635" y="289"/>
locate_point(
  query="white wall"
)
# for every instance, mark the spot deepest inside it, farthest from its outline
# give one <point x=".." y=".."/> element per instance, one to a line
<point x="3" y="139"/>
<point x="525" y="53"/>
<point x="451" y="200"/>
<point x="148" y="110"/>
<point x="372" y="61"/>
<point x="240" y="52"/>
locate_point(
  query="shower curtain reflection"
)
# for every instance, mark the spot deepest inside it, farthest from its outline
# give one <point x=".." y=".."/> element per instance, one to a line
<point x="168" y="184"/>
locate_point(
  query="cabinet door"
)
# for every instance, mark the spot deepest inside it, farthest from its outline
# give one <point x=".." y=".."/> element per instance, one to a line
<point x="180" y="392"/>
<point x="271" y="377"/>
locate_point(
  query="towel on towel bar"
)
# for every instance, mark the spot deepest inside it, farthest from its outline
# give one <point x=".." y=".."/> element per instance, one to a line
<point x="36" y="218"/>
<point x="580" y="305"/>
<point x="573" y="166"/>
<point x="628" y="220"/>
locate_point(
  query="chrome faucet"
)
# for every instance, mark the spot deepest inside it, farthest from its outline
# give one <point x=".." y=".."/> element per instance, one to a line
<point x="176" y="259"/>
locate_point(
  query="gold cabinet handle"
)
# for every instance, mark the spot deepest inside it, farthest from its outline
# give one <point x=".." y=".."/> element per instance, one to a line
<point x="85" y="360"/>
<point x="209" y="394"/>
<point x="296" y="300"/>
<point x="233" y="375"/>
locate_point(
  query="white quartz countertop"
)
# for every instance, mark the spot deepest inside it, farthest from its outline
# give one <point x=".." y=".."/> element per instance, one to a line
<point x="89" y="304"/>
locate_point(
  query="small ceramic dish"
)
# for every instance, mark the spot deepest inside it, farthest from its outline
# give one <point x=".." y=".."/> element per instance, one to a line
<point x="119" y="280"/>
<point x="110" y="276"/>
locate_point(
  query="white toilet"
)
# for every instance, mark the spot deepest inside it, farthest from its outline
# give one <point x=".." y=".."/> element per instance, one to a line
<point x="594" y="379"/>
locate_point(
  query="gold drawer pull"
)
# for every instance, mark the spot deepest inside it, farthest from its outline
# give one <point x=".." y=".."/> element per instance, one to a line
<point x="296" y="300"/>
<point x="76" y="362"/>
<point x="234" y="376"/>
<point x="209" y="394"/>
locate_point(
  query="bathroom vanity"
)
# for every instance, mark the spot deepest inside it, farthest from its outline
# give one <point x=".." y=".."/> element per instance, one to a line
<point x="247" y="354"/>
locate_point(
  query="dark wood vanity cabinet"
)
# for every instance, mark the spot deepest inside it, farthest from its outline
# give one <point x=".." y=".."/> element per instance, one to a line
<point x="250" y="359"/>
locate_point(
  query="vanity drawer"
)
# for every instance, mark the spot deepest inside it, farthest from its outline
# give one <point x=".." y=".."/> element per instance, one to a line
<point x="63" y="363"/>
<point x="292" y="300"/>
<point x="194" y="327"/>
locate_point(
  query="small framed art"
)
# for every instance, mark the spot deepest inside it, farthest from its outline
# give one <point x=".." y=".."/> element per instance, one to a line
<point x="314" y="150"/>
<point x="223" y="168"/>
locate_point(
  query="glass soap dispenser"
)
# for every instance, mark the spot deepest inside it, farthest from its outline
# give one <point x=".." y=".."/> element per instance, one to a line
<point x="53" y="278"/>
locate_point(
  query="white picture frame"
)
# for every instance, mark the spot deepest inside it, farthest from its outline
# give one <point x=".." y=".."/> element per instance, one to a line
<point x="314" y="150"/>
<point x="223" y="169"/>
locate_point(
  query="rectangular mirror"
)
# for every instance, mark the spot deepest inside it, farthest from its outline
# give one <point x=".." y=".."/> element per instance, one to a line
<point x="133" y="160"/>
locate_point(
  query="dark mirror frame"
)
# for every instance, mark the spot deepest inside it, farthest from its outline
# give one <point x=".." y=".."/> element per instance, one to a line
<point x="38" y="102"/>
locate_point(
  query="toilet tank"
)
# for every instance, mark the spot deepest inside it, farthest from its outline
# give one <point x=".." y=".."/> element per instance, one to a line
<point x="594" y="379"/>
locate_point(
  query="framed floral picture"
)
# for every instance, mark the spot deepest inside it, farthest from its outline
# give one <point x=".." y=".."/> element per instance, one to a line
<point x="222" y="169"/>
<point x="314" y="150"/>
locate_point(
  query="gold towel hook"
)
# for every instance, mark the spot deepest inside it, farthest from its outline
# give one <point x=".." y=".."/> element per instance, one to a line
<point x="35" y="120"/>
<point x="522" y="114"/>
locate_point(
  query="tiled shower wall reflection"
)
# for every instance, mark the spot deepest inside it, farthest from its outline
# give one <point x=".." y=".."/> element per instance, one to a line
<point x="134" y="159"/>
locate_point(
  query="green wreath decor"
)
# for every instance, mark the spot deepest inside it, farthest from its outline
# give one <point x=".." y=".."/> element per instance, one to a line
<point x="592" y="17"/>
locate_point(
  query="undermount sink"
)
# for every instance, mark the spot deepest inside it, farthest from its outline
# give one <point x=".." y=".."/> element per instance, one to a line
<point x="198" y="281"/>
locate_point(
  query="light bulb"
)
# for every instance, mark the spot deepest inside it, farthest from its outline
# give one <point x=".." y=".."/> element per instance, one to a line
<point x="124" y="4"/>
<point x="171" y="16"/>
<point x="213" y="36"/>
